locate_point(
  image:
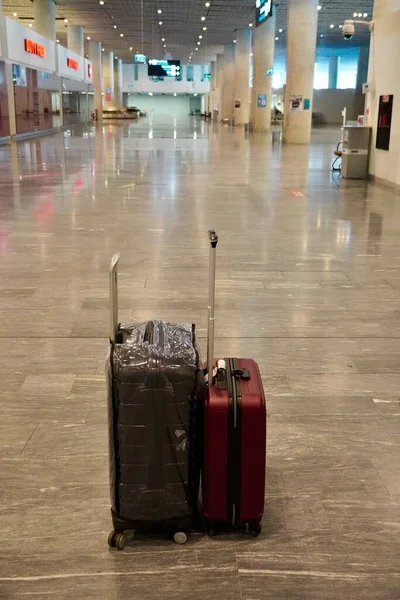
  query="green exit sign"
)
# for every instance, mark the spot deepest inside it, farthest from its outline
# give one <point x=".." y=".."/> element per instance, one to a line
<point x="207" y="76"/>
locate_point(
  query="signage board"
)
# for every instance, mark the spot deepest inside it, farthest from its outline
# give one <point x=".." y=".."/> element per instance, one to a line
<point x="140" y="59"/>
<point x="70" y="64"/>
<point x="164" y="68"/>
<point x="88" y="71"/>
<point x="262" y="101"/>
<point x="35" y="48"/>
<point x="73" y="64"/>
<point x="296" y="104"/>
<point x="264" y="10"/>
<point x="22" y="46"/>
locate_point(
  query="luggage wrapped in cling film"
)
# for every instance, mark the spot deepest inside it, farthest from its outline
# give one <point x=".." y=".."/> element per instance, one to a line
<point x="155" y="396"/>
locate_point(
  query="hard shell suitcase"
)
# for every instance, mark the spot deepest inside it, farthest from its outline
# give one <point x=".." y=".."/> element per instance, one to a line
<point x="155" y="390"/>
<point x="233" y="471"/>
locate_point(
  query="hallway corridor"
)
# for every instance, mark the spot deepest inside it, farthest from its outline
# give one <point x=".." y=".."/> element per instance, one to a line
<point x="308" y="285"/>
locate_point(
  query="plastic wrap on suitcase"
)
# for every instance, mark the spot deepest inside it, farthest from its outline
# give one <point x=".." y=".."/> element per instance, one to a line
<point x="155" y="393"/>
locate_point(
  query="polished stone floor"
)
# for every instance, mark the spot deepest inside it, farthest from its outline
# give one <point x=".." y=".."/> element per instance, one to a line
<point x="308" y="284"/>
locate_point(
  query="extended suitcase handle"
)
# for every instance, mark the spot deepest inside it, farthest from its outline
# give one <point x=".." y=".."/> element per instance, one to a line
<point x="113" y="280"/>
<point x="213" y="237"/>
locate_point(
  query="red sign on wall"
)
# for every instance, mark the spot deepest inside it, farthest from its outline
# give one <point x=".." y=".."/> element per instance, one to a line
<point x="73" y="64"/>
<point x="35" y="48"/>
<point x="89" y="70"/>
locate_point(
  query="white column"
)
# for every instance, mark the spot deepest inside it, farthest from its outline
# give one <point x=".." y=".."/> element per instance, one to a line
<point x="118" y="84"/>
<point x="220" y="82"/>
<point x="45" y="18"/>
<point x="263" y="51"/>
<point x="213" y="70"/>
<point x="301" y="45"/>
<point x="108" y="79"/>
<point x="227" y="92"/>
<point x="333" y="72"/>
<point x="75" y="39"/>
<point x="11" y="99"/>
<point x="242" y="77"/>
<point x="95" y="57"/>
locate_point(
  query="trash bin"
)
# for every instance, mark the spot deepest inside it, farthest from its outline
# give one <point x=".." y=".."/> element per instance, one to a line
<point x="355" y="153"/>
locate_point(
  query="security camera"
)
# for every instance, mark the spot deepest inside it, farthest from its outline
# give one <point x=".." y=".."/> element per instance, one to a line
<point x="348" y="30"/>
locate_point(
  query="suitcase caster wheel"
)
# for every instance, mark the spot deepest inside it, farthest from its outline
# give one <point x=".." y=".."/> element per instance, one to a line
<point x="111" y="539"/>
<point x="120" y="541"/>
<point x="255" y="529"/>
<point x="180" y="537"/>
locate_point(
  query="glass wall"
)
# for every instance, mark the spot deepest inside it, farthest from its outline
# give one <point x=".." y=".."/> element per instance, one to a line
<point x="35" y="106"/>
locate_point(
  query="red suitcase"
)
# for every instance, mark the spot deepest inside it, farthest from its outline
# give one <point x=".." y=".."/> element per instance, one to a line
<point x="233" y="477"/>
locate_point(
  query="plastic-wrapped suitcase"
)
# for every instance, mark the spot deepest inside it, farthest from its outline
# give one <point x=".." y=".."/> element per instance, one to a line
<point x="155" y="394"/>
<point x="235" y="421"/>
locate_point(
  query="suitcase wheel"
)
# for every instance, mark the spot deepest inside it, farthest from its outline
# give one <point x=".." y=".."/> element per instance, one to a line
<point x="180" y="537"/>
<point x="117" y="540"/>
<point x="255" y="528"/>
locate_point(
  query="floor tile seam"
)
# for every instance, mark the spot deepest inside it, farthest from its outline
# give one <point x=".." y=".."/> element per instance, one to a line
<point x="30" y="438"/>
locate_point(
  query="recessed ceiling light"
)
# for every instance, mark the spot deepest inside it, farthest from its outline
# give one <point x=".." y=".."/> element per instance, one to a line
<point x="175" y="94"/>
<point x="121" y="35"/>
<point x="159" y="11"/>
<point x="58" y="41"/>
<point x="354" y="15"/>
<point x="199" y="43"/>
<point x="88" y="37"/>
<point x="340" y="26"/>
<point x="65" y="20"/>
<point x="208" y="4"/>
<point x="131" y="48"/>
<point x="251" y="54"/>
<point x="322" y="35"/>
<point x="160" y="22"/>
<point x="234" y="41"/>
<point x="280" y="31"/>
<point x="360" y="15"/>
<point x="101" y="2"/>
<point x="203" y="18"/>
<point x="200" y="37"/>
<point x="116" y="58"/>
<point x="365" y="15"/>
<point x="204" y="28"/>
<point x="115" y="27"/>
<point x="319" y="7"/>
<point x="250" y="24"/>
<point x="277" y="38"/>
<point x="331" y="26"/>
<point x="194" y="94"/>
<point x="15" y="14"/>
<point x="30" y="25"/>
<point x="196" y="49"/>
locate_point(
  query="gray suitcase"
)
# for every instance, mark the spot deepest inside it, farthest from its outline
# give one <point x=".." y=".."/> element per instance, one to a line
<point x="155" y="397"/>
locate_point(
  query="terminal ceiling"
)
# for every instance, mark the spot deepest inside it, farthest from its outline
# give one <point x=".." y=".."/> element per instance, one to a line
<point x="182" y="24"/>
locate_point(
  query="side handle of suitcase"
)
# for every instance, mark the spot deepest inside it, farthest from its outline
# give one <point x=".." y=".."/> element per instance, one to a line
<point x="213" y="237"/>
<point x="113" y="282"/>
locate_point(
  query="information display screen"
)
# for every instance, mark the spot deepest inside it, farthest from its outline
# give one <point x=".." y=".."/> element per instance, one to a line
<point x="263" y="11"/>
<point x="164" y="68"/>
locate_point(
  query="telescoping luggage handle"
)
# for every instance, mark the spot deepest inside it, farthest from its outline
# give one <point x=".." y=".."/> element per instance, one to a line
<point x="213" y="237"/>
<point x="113" y="279"/>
